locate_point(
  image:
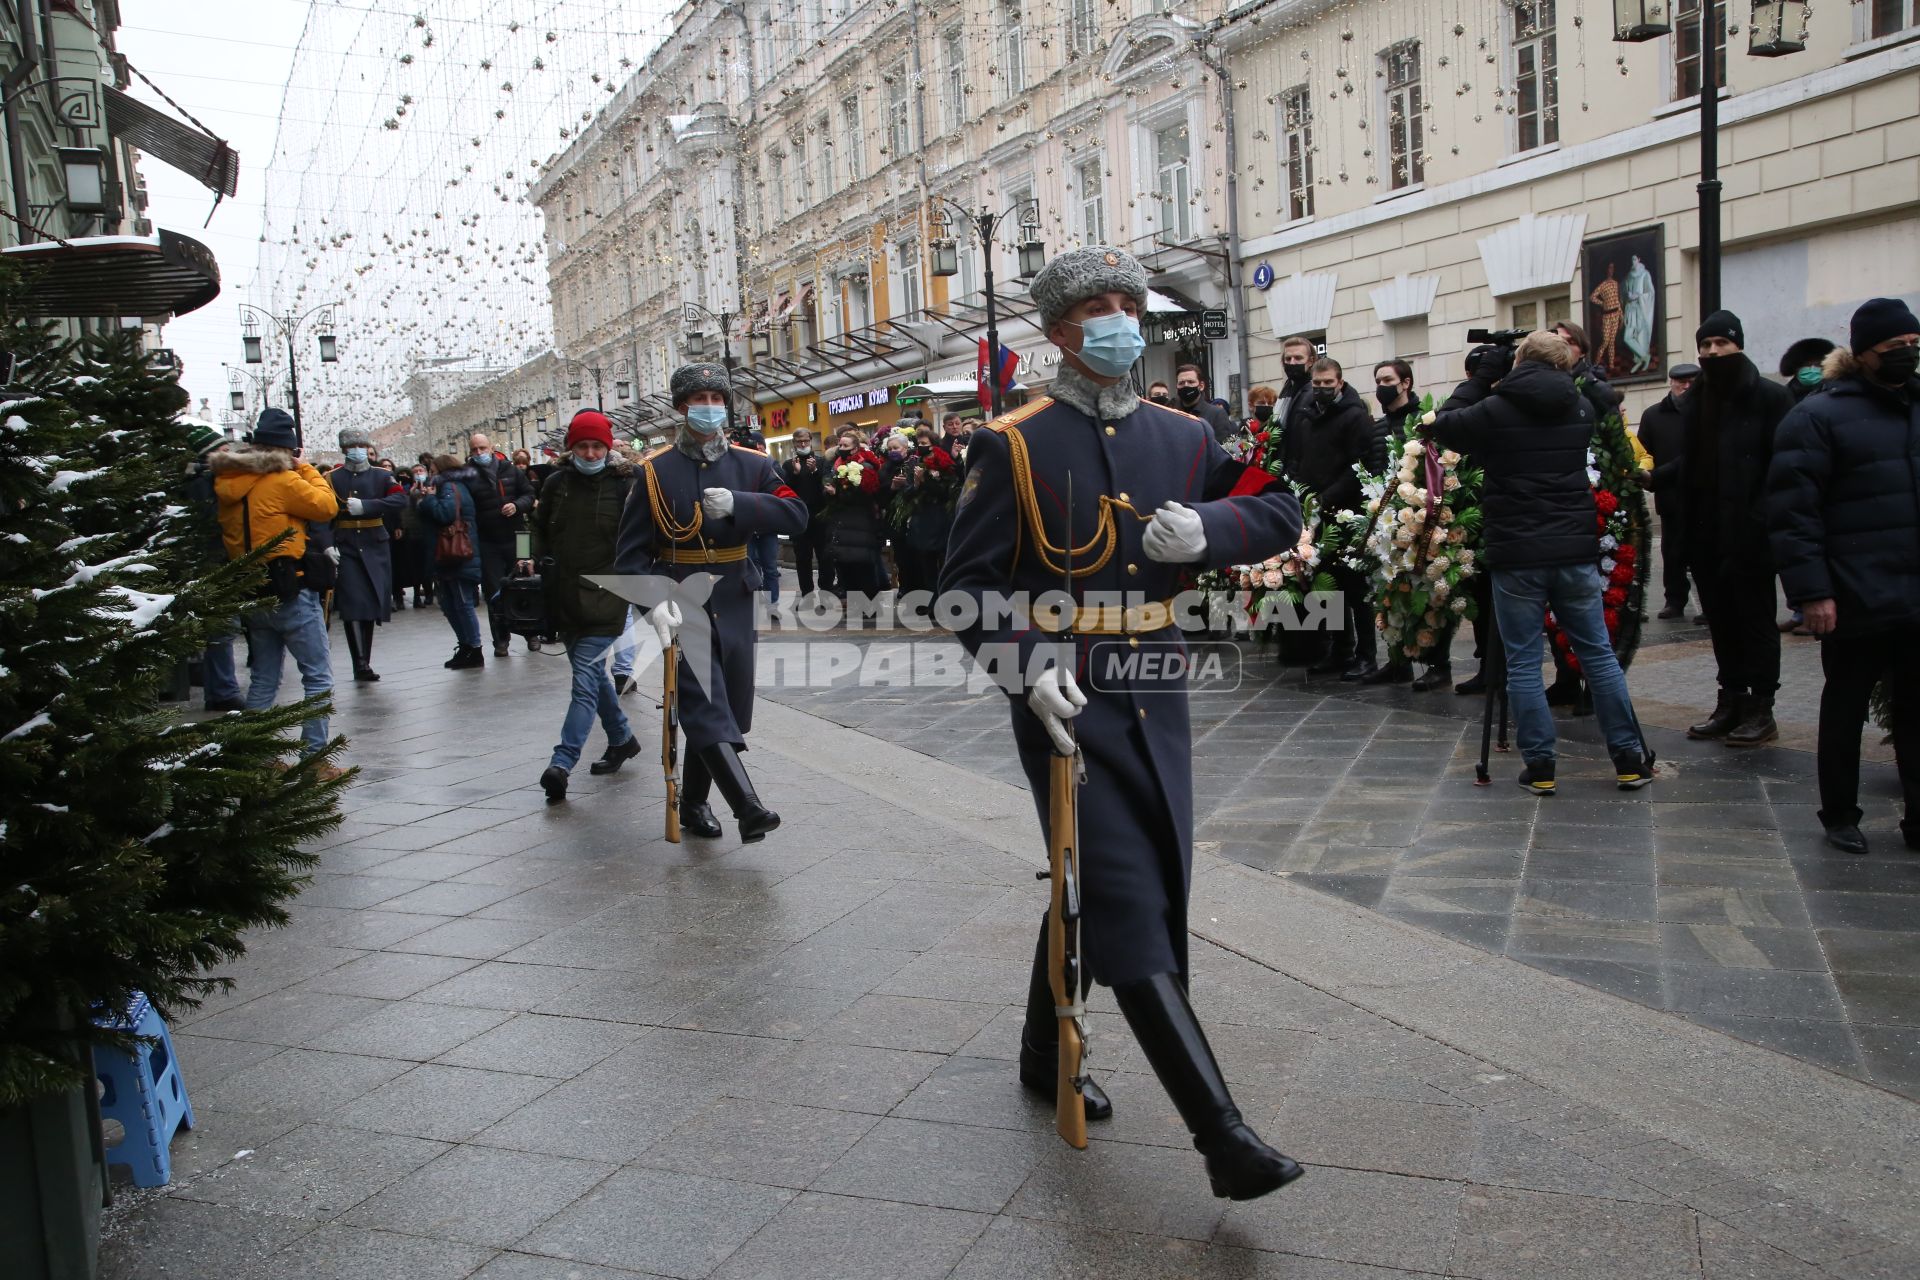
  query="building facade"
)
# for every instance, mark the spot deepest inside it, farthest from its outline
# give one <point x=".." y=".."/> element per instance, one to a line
<point x="785" y="166"/>
<point x="1418" y="170"/>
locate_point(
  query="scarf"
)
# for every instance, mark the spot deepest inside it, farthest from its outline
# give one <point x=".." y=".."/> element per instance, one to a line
<point x="698" y="447"/>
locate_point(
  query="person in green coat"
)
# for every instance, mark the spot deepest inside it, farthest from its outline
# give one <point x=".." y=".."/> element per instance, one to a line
<point x="574" y="527"/>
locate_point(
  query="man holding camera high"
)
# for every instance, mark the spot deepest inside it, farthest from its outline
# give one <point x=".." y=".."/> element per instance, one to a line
<point x="575" y="526"/>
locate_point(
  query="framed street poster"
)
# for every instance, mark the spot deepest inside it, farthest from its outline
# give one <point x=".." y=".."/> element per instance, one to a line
<point x="1623" y="276"/>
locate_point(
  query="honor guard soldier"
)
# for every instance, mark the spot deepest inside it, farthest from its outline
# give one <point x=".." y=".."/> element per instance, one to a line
<point x="1123" y="496"/>
<point x="362" y="550"/>
<point x="694" y="508"/>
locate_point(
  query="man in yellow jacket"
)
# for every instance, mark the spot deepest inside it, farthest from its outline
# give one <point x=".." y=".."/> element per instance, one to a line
<point x="265" y="490"/>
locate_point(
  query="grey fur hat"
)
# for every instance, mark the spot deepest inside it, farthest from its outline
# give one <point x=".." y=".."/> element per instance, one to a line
<point x="355" y="437"/>
<point x="1079" y="274"/>
<point x="689" y="378"/>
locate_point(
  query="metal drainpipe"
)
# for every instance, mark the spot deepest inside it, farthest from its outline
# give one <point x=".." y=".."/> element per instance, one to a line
<point x="1236" y="297"/>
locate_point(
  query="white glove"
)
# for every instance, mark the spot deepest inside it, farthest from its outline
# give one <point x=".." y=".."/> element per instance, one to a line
<point x="355" y="506"/>
<point x="665" y="618"/>
<point x="1175" y="535"/>
<point x="333" y="554"/>
<point x="717" y="503"/>
<point x="1056" y="699"/>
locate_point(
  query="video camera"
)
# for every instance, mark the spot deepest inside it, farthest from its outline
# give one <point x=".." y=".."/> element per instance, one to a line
<point x="1496" y="337"/>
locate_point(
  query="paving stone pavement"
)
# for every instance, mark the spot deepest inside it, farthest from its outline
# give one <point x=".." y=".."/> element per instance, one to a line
<point x="517" y="1042"/>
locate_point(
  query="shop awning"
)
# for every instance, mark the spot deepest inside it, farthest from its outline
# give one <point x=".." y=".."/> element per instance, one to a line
<point x="1159" y="303"/>
<point x="201" y="156"/>
<point x="164" y="274"/>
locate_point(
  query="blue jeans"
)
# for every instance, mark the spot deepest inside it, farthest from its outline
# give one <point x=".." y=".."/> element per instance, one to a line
<point x="592" y="695"/>
<point x="765" y="550"/>
<point x="296" y="627"/>
<point x="1521" y="598"/>
<point x="217" y="674"/>
<point x="627" y="646"/>
<point x="460" y="601"/>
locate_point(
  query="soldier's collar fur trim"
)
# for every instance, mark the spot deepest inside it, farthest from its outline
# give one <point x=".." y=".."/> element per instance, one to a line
<point x="1089" y="397"/>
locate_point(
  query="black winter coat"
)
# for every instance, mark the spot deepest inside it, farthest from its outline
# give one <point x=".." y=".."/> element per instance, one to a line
<point x="493" y="485"/>
<point x="1470" y="392"/>
<point x="1663" y="433"/>
<point x="1721" y="471"/>
<point x="1593" y="384"/>
<point x="1530" y="439"/>
<point x="804" y="474"/>
<point x="575" y="528"/>
<point x="1843" y="501"/>
<point x="1211" y="414"/>
<point x="1322" y="444"/>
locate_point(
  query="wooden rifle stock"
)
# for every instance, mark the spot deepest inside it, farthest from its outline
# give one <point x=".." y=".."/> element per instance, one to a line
<point x="670" y="737"/>
<point x="1063" y="943"/>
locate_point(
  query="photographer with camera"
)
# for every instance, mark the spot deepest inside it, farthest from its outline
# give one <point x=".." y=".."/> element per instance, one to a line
<point x="1529" y="434"/>
<point x="574" y="529"/>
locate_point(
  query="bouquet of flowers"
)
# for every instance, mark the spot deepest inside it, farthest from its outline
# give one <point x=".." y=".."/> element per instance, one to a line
<point x="1621" y="518"/>
<point x="849" y="473"/>
<point x="1416" y="538"/>
<point x="1287" y="577"/>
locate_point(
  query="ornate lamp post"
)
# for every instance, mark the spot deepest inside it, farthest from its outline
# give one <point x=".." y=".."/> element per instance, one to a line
<point x="252" y="318"/>
<point x="692" y="313"/>
<point x="946" y="261"/>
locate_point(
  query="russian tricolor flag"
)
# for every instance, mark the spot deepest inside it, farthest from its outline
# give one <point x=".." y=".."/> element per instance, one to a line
<point x="1008" y="364"/>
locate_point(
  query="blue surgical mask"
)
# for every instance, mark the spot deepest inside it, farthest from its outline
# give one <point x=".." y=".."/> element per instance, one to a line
<point x="1809" y="376"/>
<point x="707" y="418"/>
<point x="586" y="468"/>
<point x="1110" y="344"/>
<point x="485" y="455"/>
<point x="356" y="454"/>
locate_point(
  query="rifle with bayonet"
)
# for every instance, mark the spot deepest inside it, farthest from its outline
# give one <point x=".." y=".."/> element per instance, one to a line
<point x="1064" y="776"/>
<point x="670" y="737"/>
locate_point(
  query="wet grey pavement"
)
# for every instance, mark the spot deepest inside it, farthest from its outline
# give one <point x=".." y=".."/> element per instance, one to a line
<point x="519" y="1042"/>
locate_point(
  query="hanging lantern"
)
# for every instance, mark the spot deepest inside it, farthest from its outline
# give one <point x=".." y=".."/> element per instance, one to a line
<point x="1033" y="254"/>
<point x="573" y="389"/>
<point x="237" y="401"/>
<point x="623" y="390"/>
<point x="1779" y="27"/>
<point x="251" y="343"/>
<point x="946" y="257"/>
<point x="85" y="170"/>
<point x="329" y="354"/>
<point x="1637" y="20"/>
<point x="760" y="346"/>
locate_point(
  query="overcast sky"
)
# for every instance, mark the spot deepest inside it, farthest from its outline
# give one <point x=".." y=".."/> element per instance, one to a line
<point x="224" y="61"/>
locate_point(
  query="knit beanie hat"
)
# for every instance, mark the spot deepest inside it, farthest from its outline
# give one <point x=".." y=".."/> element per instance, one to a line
<point x="1721" y="324"/>
<point x="275" y="430"/>
<point x="203" y="438"/>
<point x="1080" y="274"/>
<point x="590" y="424"/>
<point x="1879" y="319"/>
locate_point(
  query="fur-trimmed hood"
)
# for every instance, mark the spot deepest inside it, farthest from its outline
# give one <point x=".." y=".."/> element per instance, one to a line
<point x="251" y="459"/>
<point x="1841" y="363"/>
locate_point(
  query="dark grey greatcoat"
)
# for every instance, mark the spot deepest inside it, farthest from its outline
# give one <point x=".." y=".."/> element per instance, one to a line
<point x="364" y="592"/>
<point x="716" y="705"/>
<point x="1136" y="808"/>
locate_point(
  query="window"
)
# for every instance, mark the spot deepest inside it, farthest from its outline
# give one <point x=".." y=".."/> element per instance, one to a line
<point x="1013" y="56"/>
<point x="797" y="146"/>
<point x="823" y="188"/>
<point x="1890" y="17"/>
<point x="853" y="138"/>
<point x="1686" y="46"/>
<point x="1536" y="77"/>
<point x="1083" y="26"/>
<point x="1407" y="337"/>
<point x="766" y="44"/>
<point x="899" y="111"/>
<point x="1174" y="181"/>
<point x="1542" y="312"/>
<point x="1406" y="128"/>
<point x="816" y="17"/>
<point x="1296" y="128"/>
<point x="1090" y="178"/>
<point x="776" y="187"/>
<point x="953" y="75"/>
<point x="859" y="304"/>
<point x="906" y="292"/>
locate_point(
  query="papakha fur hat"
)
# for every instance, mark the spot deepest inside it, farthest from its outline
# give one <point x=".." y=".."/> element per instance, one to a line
<point x="1079" y="274"/>
<point x="689" y="378"/>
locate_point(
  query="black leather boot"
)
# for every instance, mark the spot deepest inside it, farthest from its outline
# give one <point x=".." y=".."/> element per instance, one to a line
<point x="1240" y="1166"/>
<point x="615" y="755"/>
<point x="755" y="819"/>
<point x="696" y="816"/>
<point x="1727" y="708"/>
<point x="1040" y="1040"/>
<point x="363" y="669"/>
<point x="1756" y="726"/>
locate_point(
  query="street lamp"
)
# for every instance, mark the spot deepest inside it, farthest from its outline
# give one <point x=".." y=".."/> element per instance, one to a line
<point x="692" y="313"/>
<point x="1779" y="27"/>
<point x="85" y="170"/>
<point x="1637" y="20"/>
<point x="288" y="326"/>
<point x="1032" y="257"/>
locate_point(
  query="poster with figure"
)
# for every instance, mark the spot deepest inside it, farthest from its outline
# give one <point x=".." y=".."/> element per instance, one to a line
<point x="1622" y="275"/>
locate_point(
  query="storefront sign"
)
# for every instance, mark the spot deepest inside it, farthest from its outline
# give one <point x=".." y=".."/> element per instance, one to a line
<point x="860" y="400"/>
<point x="1213" y="324"/>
